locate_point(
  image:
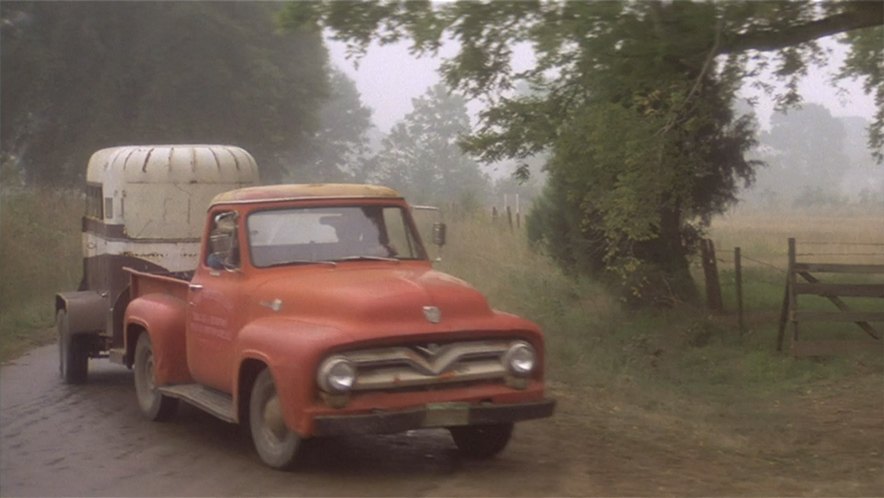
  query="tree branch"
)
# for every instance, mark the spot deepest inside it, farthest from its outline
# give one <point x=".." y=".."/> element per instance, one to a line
<point x="857" y="15"/>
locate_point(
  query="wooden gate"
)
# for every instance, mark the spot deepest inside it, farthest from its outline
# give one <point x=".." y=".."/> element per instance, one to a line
<point x="834" y="292"/>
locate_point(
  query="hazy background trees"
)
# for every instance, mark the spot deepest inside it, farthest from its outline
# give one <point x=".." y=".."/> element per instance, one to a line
<point x="338" y="149"/>
<point x="79" y="76"/>
<point x="421" y="155"/>
<point x="813" y="159"/>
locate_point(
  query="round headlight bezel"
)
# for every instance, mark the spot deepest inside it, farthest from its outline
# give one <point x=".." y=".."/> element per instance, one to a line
<point x="514" y="360"/>
<point x="336" y="375"/>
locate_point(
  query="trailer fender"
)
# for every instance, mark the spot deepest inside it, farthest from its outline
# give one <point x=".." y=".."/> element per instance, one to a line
<point x="87" y="310"/>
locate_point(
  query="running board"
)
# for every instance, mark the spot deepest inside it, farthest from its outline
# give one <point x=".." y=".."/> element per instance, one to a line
<point x="204" y="398"/>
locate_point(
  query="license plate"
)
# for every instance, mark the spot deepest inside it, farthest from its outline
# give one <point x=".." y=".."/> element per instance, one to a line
<point x="447" y="414"/>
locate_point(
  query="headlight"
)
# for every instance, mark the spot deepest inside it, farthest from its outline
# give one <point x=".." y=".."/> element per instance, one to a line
<point x="336" y="375"/>
<point x="520" y="359"/>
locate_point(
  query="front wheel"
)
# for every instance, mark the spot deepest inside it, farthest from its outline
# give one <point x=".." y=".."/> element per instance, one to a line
<point x="481" y="441"/>
<point x="152" y="404"/>
<point x="73" y="351"/>
<point x="276" y="444"/>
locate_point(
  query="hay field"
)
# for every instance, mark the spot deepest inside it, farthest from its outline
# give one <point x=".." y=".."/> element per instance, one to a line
<point x="851" y="236"/>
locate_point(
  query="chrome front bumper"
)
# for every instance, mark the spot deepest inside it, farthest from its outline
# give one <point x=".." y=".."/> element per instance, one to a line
<point x="430" y="416"/>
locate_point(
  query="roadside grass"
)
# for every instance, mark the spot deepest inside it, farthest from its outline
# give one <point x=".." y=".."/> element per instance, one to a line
<point x="661" y="358"/>
<point x="39" y="256"/>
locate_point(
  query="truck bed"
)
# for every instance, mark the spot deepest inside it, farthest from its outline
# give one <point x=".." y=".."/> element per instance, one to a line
<point x="172" y="283"/>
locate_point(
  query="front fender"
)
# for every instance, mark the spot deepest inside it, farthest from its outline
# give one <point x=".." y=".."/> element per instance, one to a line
<point x="292" y="350"/>
<point x="164" y="318"/>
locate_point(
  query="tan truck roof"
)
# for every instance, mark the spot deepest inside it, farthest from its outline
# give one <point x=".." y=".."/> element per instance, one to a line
<point x="304" y="191"/>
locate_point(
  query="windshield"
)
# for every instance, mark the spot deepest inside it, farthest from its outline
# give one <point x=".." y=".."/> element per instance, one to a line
<point x="313" y="235"/>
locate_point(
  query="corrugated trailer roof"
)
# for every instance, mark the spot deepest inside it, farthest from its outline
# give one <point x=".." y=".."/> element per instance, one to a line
<point x="182" y="163"/>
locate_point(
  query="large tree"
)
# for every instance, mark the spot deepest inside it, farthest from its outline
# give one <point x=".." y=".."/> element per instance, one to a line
<point x="632" y="100"/>
<point x="78" y="76"/>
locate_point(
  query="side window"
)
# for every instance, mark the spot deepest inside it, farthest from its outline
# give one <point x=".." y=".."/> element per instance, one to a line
<point x="223" y="250"/>
<point x="93" y="202"/>
<point x="398" y="234"/>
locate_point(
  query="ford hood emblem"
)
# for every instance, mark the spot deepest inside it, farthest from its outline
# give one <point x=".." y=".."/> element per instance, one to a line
<point x="432" y="314"/>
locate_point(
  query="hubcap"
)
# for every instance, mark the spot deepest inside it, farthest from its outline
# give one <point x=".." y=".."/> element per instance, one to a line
<point x="146" y="387"/>
<point x="273" y="423"/>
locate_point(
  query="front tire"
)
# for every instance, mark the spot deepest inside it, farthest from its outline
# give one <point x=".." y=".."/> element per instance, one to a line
<point x="73" y="352"/>
<point x="481" y="441"/>
<point x="276" y="444"/>
<point x="152" y="404"/>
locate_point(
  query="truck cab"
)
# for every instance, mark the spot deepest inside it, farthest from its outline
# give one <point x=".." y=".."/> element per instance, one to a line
<point x="145" y="207"/>
<point x="313" y="311"/>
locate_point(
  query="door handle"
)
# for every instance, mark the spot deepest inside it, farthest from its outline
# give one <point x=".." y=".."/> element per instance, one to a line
<point x="195" y="287"/>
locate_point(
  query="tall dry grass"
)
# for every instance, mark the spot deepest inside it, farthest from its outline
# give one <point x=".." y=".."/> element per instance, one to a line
<point x="39" y="255"/>
<point x="592" y="341"/>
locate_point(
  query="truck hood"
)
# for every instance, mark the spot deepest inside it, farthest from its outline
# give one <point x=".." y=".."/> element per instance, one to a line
<point x="394" y="298"/>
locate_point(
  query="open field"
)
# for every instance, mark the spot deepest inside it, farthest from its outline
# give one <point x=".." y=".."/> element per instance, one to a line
<point x="856" y="236"/>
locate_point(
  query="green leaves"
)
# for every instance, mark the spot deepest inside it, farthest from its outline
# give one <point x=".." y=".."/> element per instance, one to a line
<point x="630" y="100"/>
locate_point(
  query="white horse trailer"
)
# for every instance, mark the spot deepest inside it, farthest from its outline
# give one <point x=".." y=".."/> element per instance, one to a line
<point x="145" y="209"/>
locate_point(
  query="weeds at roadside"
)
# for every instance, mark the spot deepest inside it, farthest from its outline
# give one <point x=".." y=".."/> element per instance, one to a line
<point x="39" y="255"/>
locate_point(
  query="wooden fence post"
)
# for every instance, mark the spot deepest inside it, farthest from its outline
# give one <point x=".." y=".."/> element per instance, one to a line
<point x="710" y="271"/>
<point x="738" y="276"/>
<point x="793" y="302"/>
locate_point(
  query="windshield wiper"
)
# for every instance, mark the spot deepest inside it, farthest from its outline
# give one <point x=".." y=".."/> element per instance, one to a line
<point x="301" y="262"/>
<point x="368" y="258"/>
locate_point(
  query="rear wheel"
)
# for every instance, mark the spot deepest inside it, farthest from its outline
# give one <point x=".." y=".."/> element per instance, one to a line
<point x="73" y="351"/>
<point x="276" y="444"/>
<point x="152" y="404"/>
<point x="481" y="441"/>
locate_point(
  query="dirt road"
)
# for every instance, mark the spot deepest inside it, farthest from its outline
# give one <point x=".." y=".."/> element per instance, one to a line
<point x="90" y="440"/>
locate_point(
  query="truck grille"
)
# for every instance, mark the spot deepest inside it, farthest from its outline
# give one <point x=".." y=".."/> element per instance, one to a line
<point x="426" y="365"/>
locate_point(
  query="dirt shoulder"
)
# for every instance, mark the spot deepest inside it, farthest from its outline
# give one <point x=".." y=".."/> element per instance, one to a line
<point x="825" y="441"/>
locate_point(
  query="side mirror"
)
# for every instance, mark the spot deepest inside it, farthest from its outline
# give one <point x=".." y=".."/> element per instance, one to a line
<point x="439" y="233"/>
<point x="223" y="253"/>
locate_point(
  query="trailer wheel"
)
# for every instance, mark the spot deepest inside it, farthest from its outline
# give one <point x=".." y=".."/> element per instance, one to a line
<point x="276" y="444"/>
<point x="481" y="441"/>
<point x="73" y="352"/>
<point x="153" y="405"/>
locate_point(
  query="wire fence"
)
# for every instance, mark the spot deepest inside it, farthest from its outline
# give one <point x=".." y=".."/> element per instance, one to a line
<point x="766" y="274"/>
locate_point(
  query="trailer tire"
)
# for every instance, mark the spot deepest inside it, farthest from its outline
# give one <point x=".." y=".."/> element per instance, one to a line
<point x="481" y="441"/>
<point x="73" y="351"/>
<point x="277" y="445"/>
<point x="153" y="405"/>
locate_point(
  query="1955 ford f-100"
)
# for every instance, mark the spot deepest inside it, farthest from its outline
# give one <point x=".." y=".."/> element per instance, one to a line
<point x="312" y="310"/>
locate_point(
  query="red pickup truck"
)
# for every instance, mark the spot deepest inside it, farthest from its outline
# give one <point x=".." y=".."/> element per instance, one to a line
<point x="314" y="311"/>
<point x="299" y="310"/>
